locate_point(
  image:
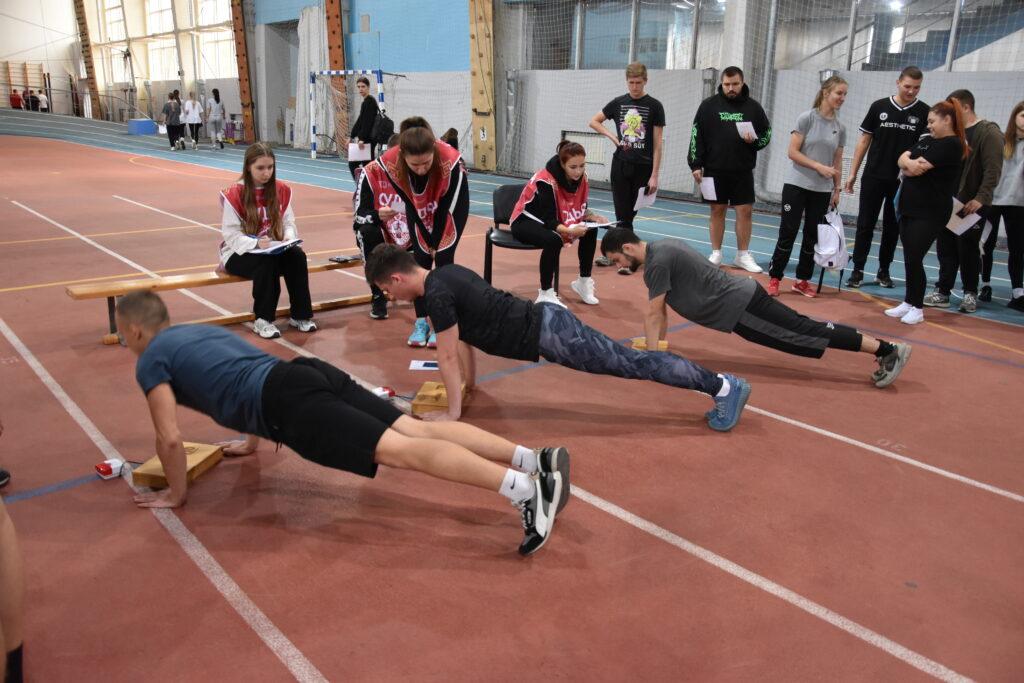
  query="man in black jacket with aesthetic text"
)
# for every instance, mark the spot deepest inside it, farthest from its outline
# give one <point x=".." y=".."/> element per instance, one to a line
<point x="729" y="129"/>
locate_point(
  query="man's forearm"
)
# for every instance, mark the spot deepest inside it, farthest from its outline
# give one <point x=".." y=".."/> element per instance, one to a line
<point x="175" y="463"/>
<point x="451" y="375"/>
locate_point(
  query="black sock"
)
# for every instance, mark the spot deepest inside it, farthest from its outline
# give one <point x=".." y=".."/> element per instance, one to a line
<point x="14" y="666"/>
<point x="884" y="349"/>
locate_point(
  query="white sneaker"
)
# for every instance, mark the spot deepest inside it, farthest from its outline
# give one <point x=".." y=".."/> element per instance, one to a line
<point x="266" y="329"/>
<point x="548" y="296"/>
<point x="584" y="286"/>
<point x="898" y="311"/>
<point x="745" y="261"/>
<point x="913" y="316"/>
<point x="303" y="325"/>
<point x="715" y="258"/>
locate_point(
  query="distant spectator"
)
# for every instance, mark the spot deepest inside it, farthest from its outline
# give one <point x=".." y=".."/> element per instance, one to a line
<point x="33" y="101"/>
<point x="451" y="136"/>
<point x="15" y="100"/>
<point x="44" y="102"/>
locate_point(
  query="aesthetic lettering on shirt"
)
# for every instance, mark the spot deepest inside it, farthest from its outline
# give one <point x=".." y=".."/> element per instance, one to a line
<point x="730" y="116"/>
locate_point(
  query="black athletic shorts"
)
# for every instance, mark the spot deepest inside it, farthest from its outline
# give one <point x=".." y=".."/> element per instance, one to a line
<point x="732" y="187"/>
<point x="325" y="416"/>
<point x="769" y="322"/>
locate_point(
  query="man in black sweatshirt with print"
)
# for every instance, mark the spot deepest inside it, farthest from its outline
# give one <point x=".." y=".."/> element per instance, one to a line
<point x="729" y="129"/>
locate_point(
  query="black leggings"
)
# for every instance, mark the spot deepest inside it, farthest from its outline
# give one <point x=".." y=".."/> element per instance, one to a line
<point x="193" y="129"/>
<point x="529" y="231"/>
<point x="173" y="134"/>
<point x="1013" y="221"/>
<point x="876" y="194"/>
<point x="266" y="272"/>
<point x="798" y="203"/>
<point x="917" y="235"/>
<point x="627" y="179"/>
<point x="368" y="236"/>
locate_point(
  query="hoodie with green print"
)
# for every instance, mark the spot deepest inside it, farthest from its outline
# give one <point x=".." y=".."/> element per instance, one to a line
<point x="715" y="141"/>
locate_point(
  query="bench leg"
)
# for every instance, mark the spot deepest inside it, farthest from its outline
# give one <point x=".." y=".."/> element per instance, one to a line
<point x="487" y="256"/>
<point x="821" y="279"/>
<point x="111" y="309"/>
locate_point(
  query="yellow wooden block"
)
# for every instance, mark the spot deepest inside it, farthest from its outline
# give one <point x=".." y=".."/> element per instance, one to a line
<point x="640" y="344"/>
<point x="432" y="397"/>
<point x="200" y="457"/>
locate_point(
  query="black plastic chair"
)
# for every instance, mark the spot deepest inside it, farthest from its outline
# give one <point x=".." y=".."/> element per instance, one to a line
<point x="503" y="201"/>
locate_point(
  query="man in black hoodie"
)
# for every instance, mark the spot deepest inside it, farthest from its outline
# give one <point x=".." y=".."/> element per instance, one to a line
<point x="723" y="148"/>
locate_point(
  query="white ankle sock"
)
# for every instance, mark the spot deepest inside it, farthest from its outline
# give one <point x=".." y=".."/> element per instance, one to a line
<point x="525" y="459"/>
<point x="516" y="486"/>
<point x="724" y="391"/>
<point x="1017" y="292"/>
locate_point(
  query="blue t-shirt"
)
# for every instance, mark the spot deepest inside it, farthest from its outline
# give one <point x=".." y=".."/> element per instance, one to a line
<point x="210" y="370"/>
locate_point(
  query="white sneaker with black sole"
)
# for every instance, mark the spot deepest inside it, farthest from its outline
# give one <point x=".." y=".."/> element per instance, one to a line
<point x="303" y="325"/>
<point x="539" y="512"/>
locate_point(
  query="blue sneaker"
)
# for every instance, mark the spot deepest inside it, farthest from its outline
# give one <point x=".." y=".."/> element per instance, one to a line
<point x="420" y="330"/>
<point x="728" y="408"/>
<point x="432" y="340"/>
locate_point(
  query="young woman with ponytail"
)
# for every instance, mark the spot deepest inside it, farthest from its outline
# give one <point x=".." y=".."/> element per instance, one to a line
<point x="931" y="174"/>
<point x="427" y="179"/>
<point x="549" y="215"/>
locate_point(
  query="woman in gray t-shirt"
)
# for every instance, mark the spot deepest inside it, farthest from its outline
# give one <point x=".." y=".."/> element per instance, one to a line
<point x="171" y="118"/>
<point x="812" y="184"/>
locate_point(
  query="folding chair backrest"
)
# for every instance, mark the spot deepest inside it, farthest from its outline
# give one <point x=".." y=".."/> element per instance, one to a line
<point x="504" y="200"/>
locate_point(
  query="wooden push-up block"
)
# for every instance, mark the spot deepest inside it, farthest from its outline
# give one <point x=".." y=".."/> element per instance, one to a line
<point x="200" y="457"/>
<point x="432" y="397"/>
<point x="640" y="344"/>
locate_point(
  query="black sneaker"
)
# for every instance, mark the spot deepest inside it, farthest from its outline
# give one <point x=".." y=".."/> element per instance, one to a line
<point x="890" y="366"/>
<point x="555" y="459"/>
<point x="539" y="512"/>
<point x="856" y="277"/>
<point x="1017" y="304"/>
<point x="379" y="308"/>
<point x="884" y="280"/>
<point x="5" y="478"/>
<point x="985" y="294"/>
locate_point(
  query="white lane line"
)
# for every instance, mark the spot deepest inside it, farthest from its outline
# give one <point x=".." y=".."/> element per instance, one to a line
<point x="1016" y="497"/>
<point x="122" y="259"/>
<point x="167" y="213"/>
<point x="891" y="647"/>
<point x="278" y="643"/>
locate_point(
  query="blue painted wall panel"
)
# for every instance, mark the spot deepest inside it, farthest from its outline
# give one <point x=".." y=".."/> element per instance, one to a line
<point x="410" y="36"/>
<point x="271" y="11"/>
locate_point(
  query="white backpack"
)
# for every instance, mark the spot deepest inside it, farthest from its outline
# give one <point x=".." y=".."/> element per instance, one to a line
<point x="830" y="251"/>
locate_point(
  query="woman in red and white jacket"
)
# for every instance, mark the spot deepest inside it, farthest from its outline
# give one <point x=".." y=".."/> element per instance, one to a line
<point x="258" y="216"/>
<point x="550" y="215"/>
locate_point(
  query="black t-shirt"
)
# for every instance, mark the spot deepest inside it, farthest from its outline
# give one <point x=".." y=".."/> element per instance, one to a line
<point x="489" y="319"/>
<point x="930" y="195"/>
<point x="894" y="130"/>
<point x="634" y="122"/>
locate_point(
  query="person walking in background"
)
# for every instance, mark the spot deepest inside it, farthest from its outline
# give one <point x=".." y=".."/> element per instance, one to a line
<point x="639" y="124"/>
<point x="169" y="118"/>
<point x="1008" y="205"/>
<point x="978" y="180"/>
<point x="193" y="118"/>
<point x="729" y="129"/>
<point x="891" y="127"/>
<point x="215" y="116"/>
<point x="813" y="180"/>
<point x="931" y="174"/>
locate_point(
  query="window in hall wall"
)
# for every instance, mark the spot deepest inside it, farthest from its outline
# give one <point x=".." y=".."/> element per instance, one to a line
<point x="214" y="11"/>
<point x="163" y="60"/>
<point x="159" y="16"/>
<point x="217" y="55"/>
<point x="113" y="19"/>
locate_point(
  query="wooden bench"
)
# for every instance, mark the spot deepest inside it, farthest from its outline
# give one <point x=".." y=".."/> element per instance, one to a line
<point x="112" y="290"/>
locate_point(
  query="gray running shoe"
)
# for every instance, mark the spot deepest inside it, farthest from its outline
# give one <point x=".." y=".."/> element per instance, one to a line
<point x="937" y="299"/>
<point x="969" y="304"/>
<point x="890" y="367"/>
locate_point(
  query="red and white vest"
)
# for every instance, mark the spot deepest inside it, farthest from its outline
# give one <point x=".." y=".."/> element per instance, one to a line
<point x="233" y="196"/>
<point x="382" y="175"/>
<point x="570" y="206"/>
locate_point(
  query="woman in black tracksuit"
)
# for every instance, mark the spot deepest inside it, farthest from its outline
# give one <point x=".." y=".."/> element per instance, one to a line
<point x="931" y="174"/>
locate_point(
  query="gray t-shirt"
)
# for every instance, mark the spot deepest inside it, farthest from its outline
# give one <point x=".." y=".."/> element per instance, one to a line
<point x="693" y="287"/>
<point x="1010" y="190"/>
<point x="172" y="112"/>
<point x="822" y="137"/>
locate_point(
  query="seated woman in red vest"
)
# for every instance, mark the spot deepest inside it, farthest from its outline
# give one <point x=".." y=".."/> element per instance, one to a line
<point x="426" y="179"/>
<point x="257" y="217"/>
<point x="550" y="215"/>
